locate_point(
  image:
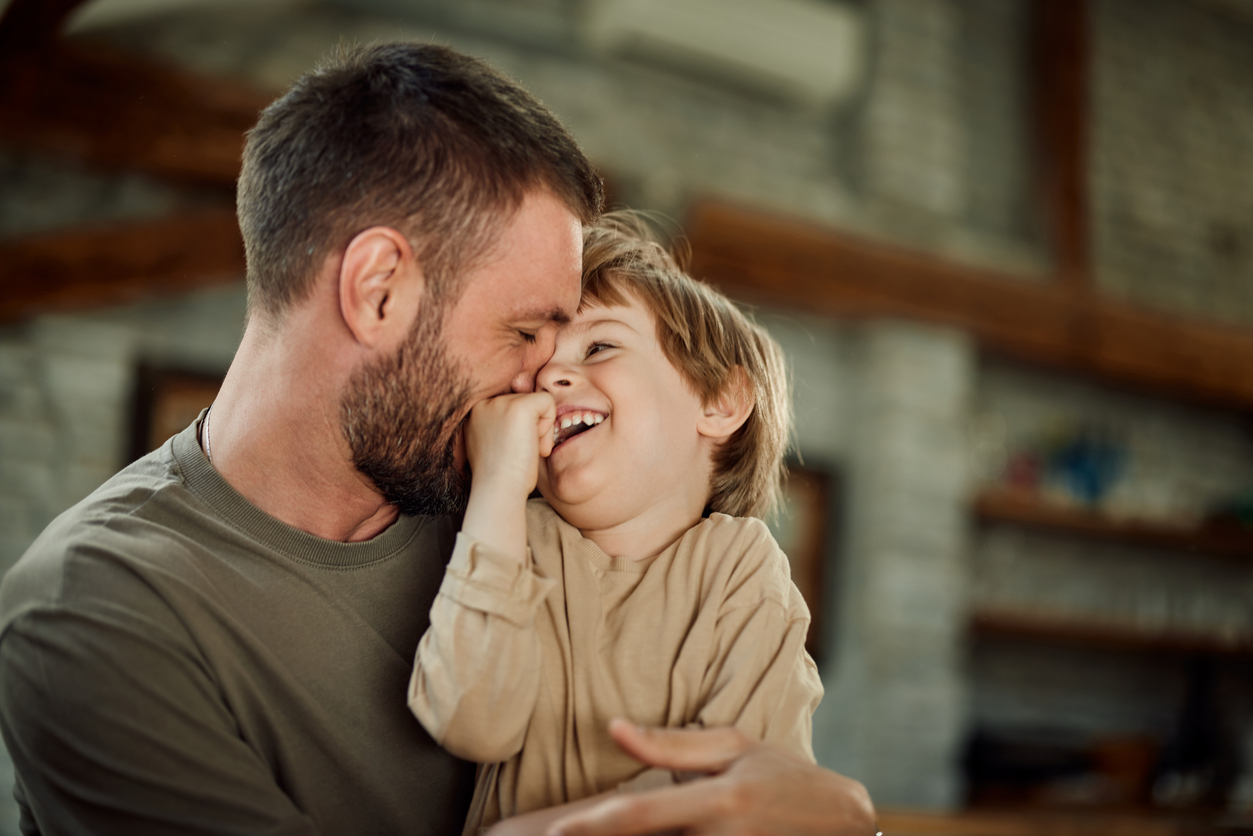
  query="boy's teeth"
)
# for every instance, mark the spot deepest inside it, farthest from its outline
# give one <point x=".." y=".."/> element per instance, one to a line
<point x="565" y="422"/>
<point x="599" y="418"/>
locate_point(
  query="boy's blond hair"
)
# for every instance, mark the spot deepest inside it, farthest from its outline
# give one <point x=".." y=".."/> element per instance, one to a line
<point x="709" y="340"/>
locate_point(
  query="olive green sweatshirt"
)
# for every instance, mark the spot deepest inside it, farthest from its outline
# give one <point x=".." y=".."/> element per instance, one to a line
<point x="174" y="660"/>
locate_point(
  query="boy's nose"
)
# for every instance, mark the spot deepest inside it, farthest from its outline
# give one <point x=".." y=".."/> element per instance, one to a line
<point x="554" y="376"/>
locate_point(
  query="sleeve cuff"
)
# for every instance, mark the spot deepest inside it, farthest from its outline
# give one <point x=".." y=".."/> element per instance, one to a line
<point x="481" y="579"/>
<point x="648" y="780"/>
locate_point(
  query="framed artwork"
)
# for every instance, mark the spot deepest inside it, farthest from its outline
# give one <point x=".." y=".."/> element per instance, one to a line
<point x="166" y="401"/>
<point x="802" y="529"/>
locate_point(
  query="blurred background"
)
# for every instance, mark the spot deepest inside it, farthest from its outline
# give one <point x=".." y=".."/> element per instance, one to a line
<point x="1006" y="244"/>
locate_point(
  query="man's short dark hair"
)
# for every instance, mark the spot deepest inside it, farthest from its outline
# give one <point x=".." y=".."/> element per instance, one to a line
<point x="418" y="137"/>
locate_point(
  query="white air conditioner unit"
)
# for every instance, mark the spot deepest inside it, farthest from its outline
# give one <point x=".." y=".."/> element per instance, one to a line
<point x="809" y="52"/>
<point x="101" y="13"/>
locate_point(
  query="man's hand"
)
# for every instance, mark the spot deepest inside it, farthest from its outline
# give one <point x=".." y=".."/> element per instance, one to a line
<point x="753" y="789"/>
<point x="505" y="438"/>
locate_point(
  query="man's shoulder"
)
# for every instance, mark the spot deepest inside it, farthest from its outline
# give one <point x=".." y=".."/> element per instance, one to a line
<point x="124" y="522"/>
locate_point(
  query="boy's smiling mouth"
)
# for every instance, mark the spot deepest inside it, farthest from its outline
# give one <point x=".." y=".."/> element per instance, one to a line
<point x="573" y="422"/>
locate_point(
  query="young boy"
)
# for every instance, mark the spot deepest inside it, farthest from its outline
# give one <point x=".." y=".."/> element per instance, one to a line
<point x="648" y="591"/>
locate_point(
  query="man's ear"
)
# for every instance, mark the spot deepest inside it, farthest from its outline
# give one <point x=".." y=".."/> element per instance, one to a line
<point x="380" y="286"/>
<point x="727" y="411"/>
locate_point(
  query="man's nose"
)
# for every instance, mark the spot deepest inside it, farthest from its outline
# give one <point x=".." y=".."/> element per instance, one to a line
<point x="523" y="382"/>
<point x="539" y="354"/>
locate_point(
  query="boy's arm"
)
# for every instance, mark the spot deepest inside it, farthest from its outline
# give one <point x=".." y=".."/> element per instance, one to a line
<point x="477" y="671"/>
<point x="760" y="679"/>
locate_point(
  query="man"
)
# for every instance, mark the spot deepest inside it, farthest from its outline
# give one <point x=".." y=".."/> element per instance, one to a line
<point x="218" y="639"/>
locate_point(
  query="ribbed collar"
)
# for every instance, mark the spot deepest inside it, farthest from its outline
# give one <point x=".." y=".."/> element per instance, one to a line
<point x="202" y="479"/>
<point x="575" y="543"/>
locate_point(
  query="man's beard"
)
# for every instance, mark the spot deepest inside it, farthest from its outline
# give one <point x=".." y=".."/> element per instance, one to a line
<point x="398" y="414"/>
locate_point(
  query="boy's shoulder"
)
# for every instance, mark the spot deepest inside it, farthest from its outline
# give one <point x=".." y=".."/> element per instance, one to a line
<point x="746" y="560"/>
<point x="747" y="534"/>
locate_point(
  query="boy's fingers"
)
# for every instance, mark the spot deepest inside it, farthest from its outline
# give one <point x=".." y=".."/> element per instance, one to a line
<point x="546" y="417"/>
<point x="545" y="430"/>
<point x="685" y="750"/>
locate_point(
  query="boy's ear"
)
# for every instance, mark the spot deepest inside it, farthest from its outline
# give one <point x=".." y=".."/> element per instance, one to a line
<point x="380" y="286"/>
<point x="727" y="411"/>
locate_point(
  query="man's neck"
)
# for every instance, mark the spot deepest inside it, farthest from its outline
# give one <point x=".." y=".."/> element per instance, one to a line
<point x="276" y="438"/>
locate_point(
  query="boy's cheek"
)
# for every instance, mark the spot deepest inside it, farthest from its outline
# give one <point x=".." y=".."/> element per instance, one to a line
<point x="542" y="482"/>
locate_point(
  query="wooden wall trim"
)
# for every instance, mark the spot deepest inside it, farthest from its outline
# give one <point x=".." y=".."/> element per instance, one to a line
<point x="116" y="264"/>
<point x="783" y="262"/>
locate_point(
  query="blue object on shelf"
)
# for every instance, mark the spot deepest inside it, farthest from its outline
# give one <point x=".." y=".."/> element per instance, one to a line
<point x="1088" y="466"/>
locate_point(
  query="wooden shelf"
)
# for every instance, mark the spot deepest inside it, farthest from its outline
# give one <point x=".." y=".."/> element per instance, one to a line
<point x="1027" y="510"/>
<point x="1103" y="634"/>
<point x="1043" y="822"/>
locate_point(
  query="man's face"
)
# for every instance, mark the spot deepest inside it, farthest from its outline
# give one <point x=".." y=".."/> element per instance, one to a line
<point x="402" y="415"/>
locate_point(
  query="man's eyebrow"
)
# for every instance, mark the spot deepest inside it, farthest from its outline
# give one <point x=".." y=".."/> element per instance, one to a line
<point x="554" y="314"/>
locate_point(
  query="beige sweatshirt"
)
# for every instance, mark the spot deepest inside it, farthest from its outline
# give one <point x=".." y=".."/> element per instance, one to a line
<point x="523" y="666"/>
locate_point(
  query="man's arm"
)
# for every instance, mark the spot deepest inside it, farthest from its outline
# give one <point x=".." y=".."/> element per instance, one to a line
<point x="115" y="727"/>
<point x="754" y="788"/>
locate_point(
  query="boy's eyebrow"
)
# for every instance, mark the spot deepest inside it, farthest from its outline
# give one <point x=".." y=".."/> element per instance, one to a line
<point x="580" y="327"/>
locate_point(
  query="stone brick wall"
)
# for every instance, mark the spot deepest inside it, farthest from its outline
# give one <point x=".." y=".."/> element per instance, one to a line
<point x="66" y="391"/>
<point x="894" y="715"/>
<point x="1172" y="156"/>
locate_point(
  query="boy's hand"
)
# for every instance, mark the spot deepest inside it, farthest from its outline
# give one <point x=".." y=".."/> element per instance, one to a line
<point x="505" y="437"/>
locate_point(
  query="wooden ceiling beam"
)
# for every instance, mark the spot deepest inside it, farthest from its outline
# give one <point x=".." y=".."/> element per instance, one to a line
<point x="30" y="25"/>
<point x="792" y="264"/>
<point x="117" y="264"/>
<point x="117" y="111"/>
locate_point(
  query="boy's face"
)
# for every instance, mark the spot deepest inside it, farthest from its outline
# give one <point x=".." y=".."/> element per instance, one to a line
<point x="632" y="444"/>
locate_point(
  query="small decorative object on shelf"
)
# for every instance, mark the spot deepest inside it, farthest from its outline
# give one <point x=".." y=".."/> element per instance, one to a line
<point x="1115" y="470"/>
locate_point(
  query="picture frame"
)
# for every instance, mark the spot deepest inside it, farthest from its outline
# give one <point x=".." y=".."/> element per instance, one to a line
<point x="167" y="399"/>
<point x="803" y="528"/>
